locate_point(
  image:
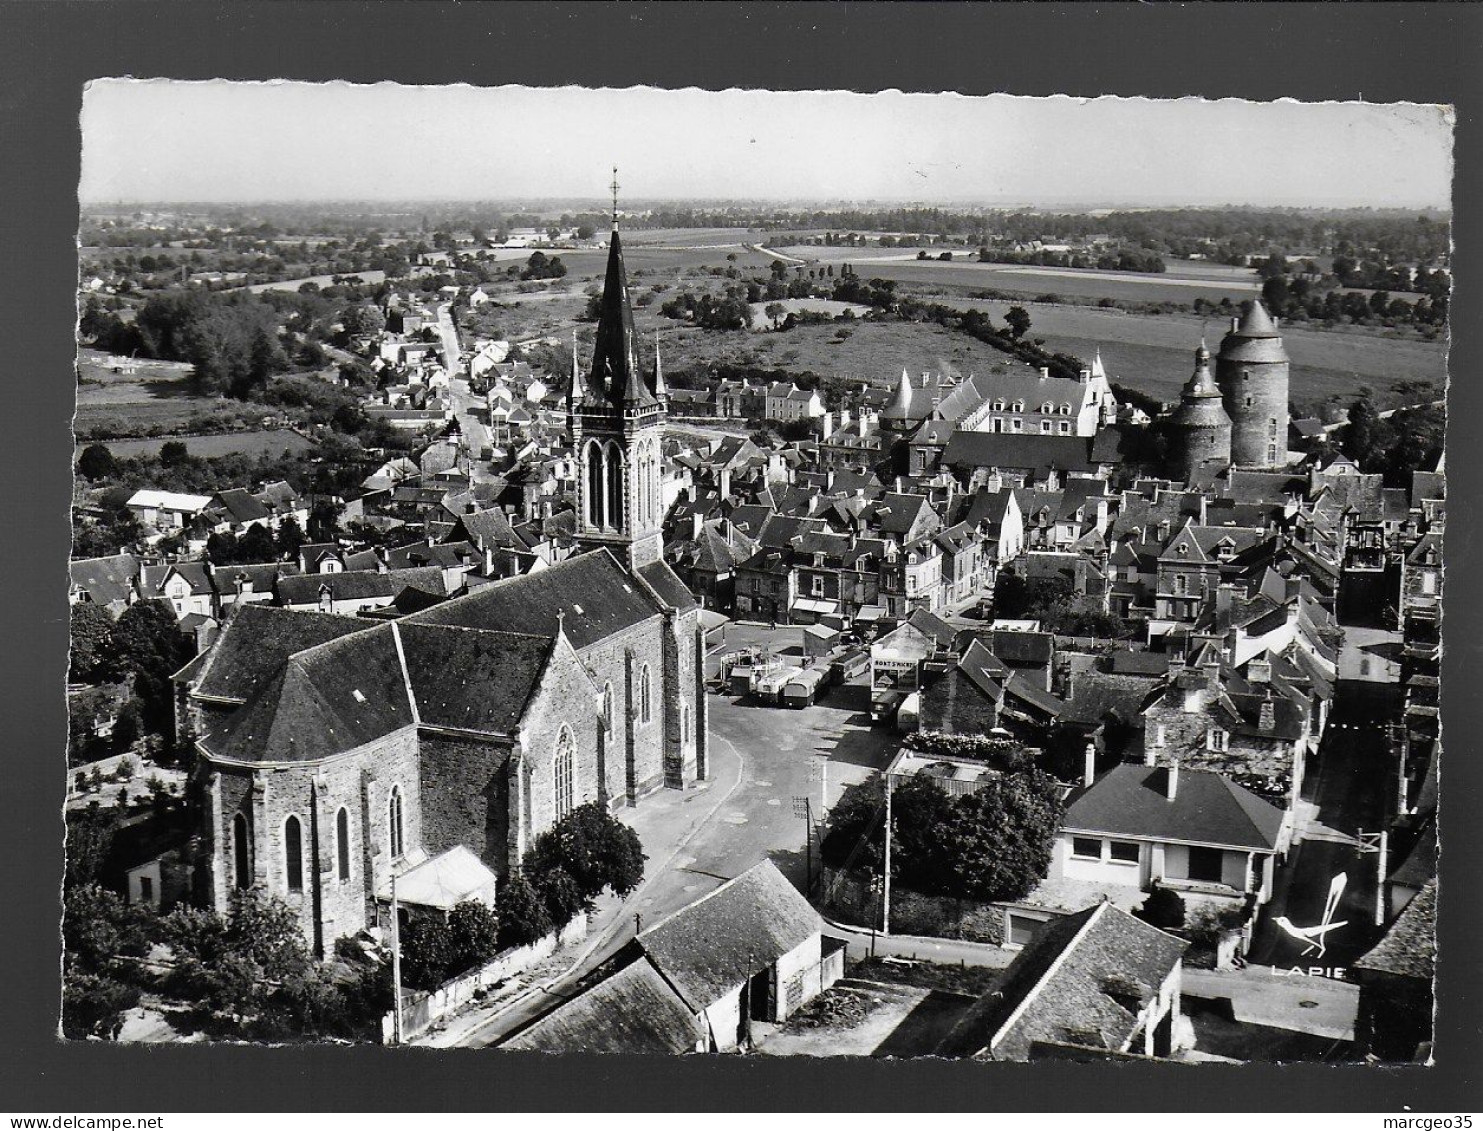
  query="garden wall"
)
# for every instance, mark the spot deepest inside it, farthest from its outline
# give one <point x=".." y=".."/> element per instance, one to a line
<point x="421" y="1009"/>
<point x="850" y="900"/>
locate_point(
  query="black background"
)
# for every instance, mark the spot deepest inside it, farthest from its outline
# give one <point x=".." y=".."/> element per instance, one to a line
<point x="1382" y="52"/>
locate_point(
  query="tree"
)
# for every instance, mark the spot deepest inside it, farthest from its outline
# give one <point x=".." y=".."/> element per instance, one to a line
<point x="775" y="312"/>
<point x="89" y="840"/>
<point x="474" y="930"/>
<point x="997" y="841"/>
<point x="289" y="538"/>
<point x="93" y="1004"/>
<point x="1162" y="909"/>
<point x="92" y="658"/>
<point x="174" y="453"/>
<point x="585" y="231"/>
<point x="522" y="913"/>
<point x="98" y="927"/>
<point x="595" y="848"/>
<point x="149" y="645"/>
<point x="564" y="900"/>
<point x="96" y="462"/>
<point x="256" y="545"/>
<point x="1017" y="318"/>
<point x="427" y="952"/>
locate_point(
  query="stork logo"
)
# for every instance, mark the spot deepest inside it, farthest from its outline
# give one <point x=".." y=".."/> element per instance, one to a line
<point x="1314" y="938"/>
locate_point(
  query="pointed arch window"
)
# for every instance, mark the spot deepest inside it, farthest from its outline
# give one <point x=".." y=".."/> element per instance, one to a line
<point x="562" y="773"/>
<point x="293" y="853"/>
<point x="607" y="706"/>
<point x="342" y="843"/>
<point x="594" y="493"/>
<point x="645" y="702"/>
<point x="394" y="827"/>
<point x="242" y="850"/>
<point x="614" y="475"/>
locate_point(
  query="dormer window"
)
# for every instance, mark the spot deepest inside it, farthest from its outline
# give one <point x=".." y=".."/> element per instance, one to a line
<point x="1218" y="740"/>
<point x="1065" y="410"/>
<point x="1047" y="408"/>
<point x="1018" y="406"/>
<point x="998" y="404"/>
<point x="1226" y="550"/>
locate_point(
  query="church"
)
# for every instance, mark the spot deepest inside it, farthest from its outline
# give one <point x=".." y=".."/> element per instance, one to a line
<point x="336" y="753"/>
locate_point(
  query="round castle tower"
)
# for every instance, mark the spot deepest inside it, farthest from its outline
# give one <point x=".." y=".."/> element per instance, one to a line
<point x="1252" y="370"/>
<point x="1202" y="428"/>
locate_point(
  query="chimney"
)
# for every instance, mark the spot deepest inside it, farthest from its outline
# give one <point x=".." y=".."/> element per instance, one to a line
<point x="1084" y="377"/>
<point x="1235" y="323"/>
<point x="725" y="483"/>
<point x="1259" y="671"/>
<point x="1223" y="594"/>
<point x="1171" y="781"/>
<point x="1044" y="372"/>
<point x="488" y="561"/>
<point x="1269" y="714"/>
<point x="1089" y="765"/>
<point x="697" y="524"/>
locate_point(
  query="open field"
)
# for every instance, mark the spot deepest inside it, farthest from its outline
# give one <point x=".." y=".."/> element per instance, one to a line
<point x="273" y="442"/>
<point x="1155" y="353"/>
<point x="761" y="322"/>
<point x="871" y="351"/>
<point x="965" y="271"/>
<point x="371" y="277"/>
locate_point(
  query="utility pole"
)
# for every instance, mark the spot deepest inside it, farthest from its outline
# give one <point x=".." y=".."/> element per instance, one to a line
<point x="1383" y="862"/>
<point x="396" y="968"/>
<point x="886" y="879"/>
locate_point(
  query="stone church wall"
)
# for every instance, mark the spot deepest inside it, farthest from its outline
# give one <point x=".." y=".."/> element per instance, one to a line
<point x="465" y="797"/>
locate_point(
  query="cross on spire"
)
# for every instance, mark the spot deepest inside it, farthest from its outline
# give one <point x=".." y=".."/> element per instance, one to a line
<point x="614" y="187"/>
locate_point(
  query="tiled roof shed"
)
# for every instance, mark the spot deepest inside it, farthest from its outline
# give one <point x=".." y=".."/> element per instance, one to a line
<point x="1409" y="948"/>
<point x="711" y="947"/>
<point x="631" y="1011"/>
<point x="1082" y="981"/>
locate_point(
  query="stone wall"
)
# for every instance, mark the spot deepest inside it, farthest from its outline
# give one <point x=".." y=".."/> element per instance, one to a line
<point x="912" y="913"/>
<point x="360" y="781"/>
<point x="466" y="797"/>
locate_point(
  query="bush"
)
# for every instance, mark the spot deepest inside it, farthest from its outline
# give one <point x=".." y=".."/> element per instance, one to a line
<point x="427" y="952"/>
<point x="522" y="913"/>
<point x="562" y="896"/>
<point x="93" y="1005"/>
<point x="1162" y="909"/>
<point x="1209" y="923"/>
<point x="475" y="930"/>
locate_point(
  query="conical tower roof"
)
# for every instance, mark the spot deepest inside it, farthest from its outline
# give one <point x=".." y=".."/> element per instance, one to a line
<point x="1254" y="338"/>
<point x="1257" y="323"/>
<point x="900" y="406"/>
<point x="616" y="368"/>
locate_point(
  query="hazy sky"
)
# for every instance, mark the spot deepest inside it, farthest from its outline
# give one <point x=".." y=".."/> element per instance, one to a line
<point x="163" y="140"/>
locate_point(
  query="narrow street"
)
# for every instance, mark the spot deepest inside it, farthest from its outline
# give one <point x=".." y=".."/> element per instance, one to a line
<point x="1346" y="788"/>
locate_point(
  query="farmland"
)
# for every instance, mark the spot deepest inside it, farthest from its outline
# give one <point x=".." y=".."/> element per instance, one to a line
<point x="1155" y="353"/>
<point x="870" y="351"/>
<point x="964" y="271"/>
<point x="272" y="442"/>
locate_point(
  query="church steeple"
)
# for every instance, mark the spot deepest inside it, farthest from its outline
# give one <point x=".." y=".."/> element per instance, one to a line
<point x="616" y="417"/>
<point x="617" y="369"/>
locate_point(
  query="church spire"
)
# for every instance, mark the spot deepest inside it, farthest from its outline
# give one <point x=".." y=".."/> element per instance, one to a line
<point x="660" y="389"/>
<point x="576" y="391"/>
<point x="616" y="367"/>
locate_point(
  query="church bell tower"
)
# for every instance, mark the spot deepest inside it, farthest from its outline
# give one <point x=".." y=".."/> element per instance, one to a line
<point x="616" y="413"/>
